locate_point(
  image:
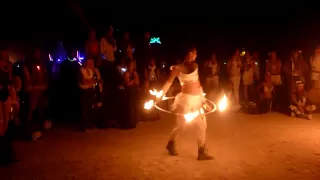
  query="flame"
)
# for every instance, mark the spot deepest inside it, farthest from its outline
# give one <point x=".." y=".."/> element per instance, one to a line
<point x="223" y="103"/>
<point x="156" y="93"/>
<point x="38" y="67"/>
<point x="148" y="105"/>
<point x="189" y="117"/>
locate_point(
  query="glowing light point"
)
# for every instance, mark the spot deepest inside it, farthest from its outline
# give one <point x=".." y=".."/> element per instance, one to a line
<point x="50" y="57"/>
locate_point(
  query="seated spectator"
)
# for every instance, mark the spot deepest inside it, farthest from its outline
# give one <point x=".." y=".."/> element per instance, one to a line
<point x="265" y="90"/>
<point x="301" y="106"/>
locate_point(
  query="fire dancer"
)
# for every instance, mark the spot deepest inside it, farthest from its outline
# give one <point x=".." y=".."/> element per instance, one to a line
<point x="189" y="99"/>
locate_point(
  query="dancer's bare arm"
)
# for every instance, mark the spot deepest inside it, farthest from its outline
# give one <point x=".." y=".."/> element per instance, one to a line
<point x="173" y="74"/>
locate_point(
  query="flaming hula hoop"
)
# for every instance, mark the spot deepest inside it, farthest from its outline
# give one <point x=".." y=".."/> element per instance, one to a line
<point x="190" y="115"/>
<point x="214" y="107"/>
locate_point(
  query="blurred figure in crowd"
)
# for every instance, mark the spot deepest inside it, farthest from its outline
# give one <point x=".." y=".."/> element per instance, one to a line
<point x="315" y="68"/>
<point x="124" y="43"/>
<point x="257" y="67"/>
<point x="129" y="55"/>
<point x="265" y="90"/>
<point x="300" y="105"/>
<point x="122" y="66"/>
<point x="92" y="47"/>
<point x="294" y="70"/>
<point x="131" y="84"/>
<point x="248" y="76"/>
<point x="90" y="84"/>
<point x="108" y="45"/>
<point x="152" y="78"/>
<point x="211" y="73"/>
<point x="108" y="72"/>
<point x="144" y="53"/>
<point x="151" y="75"/>
<point x="234" y="67"/>
<point x="35" y="95"/>
<point x="7" y="99"/>
<point x="273" y="68"/>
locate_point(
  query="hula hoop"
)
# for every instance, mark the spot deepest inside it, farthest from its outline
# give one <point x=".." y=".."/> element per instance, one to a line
<point x="181" y="114"/>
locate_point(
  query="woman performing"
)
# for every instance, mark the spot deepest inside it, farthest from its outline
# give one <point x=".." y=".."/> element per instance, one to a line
<point x="189" y="99"/>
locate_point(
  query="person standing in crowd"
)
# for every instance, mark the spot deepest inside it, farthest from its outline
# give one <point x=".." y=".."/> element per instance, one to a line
<point x="257" y="67"/>
<point x="129" y="55"/>
<point x="124" y="43"/>
<point x="248" y="76"/>
<point x="7" y="153"/>
<point x="92" y="47"/>
<point x="108" y="46"/>
<point x="273" y="68"/>
<point x="211" y="73"/>
<point x="108" y="72"/>
<point x="90" y="84"/>
<point x="35" y="85"/>
<point x="152" y="78"/>
<point x="107" y="49"/>
<point x="315" y="68"/>
<point x="122" y="66"/>
<point x="234" y="67"/>
<point x="131" y="84"/>
<point x="144" y="53"/>
<point x="151" y="75"/>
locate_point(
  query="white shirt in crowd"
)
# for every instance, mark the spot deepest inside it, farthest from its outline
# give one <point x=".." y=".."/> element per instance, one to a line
<point x="107" y="50"/>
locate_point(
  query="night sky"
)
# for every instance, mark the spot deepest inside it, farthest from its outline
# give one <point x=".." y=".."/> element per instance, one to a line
<point x="210" y="25"/>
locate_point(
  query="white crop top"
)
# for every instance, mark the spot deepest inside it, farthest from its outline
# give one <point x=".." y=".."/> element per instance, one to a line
<point x="187" y="78"/>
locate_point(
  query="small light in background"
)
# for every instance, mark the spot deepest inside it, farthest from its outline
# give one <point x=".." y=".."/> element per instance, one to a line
<point x="225" y="63"/>
<point x="256" y="63"/>
<point x="50" y="57"/>
<point x="38" y="67"/>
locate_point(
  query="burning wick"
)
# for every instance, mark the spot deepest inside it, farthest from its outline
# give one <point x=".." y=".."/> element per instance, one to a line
<point x="148" y="105"/>
<point x="223" y="103"/>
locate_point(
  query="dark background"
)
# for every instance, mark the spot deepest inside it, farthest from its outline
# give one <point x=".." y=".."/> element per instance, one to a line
<point x="210" y="25"/>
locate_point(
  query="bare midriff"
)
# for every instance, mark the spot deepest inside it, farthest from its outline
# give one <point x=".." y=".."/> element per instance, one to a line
<point x="193" y="88"/>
